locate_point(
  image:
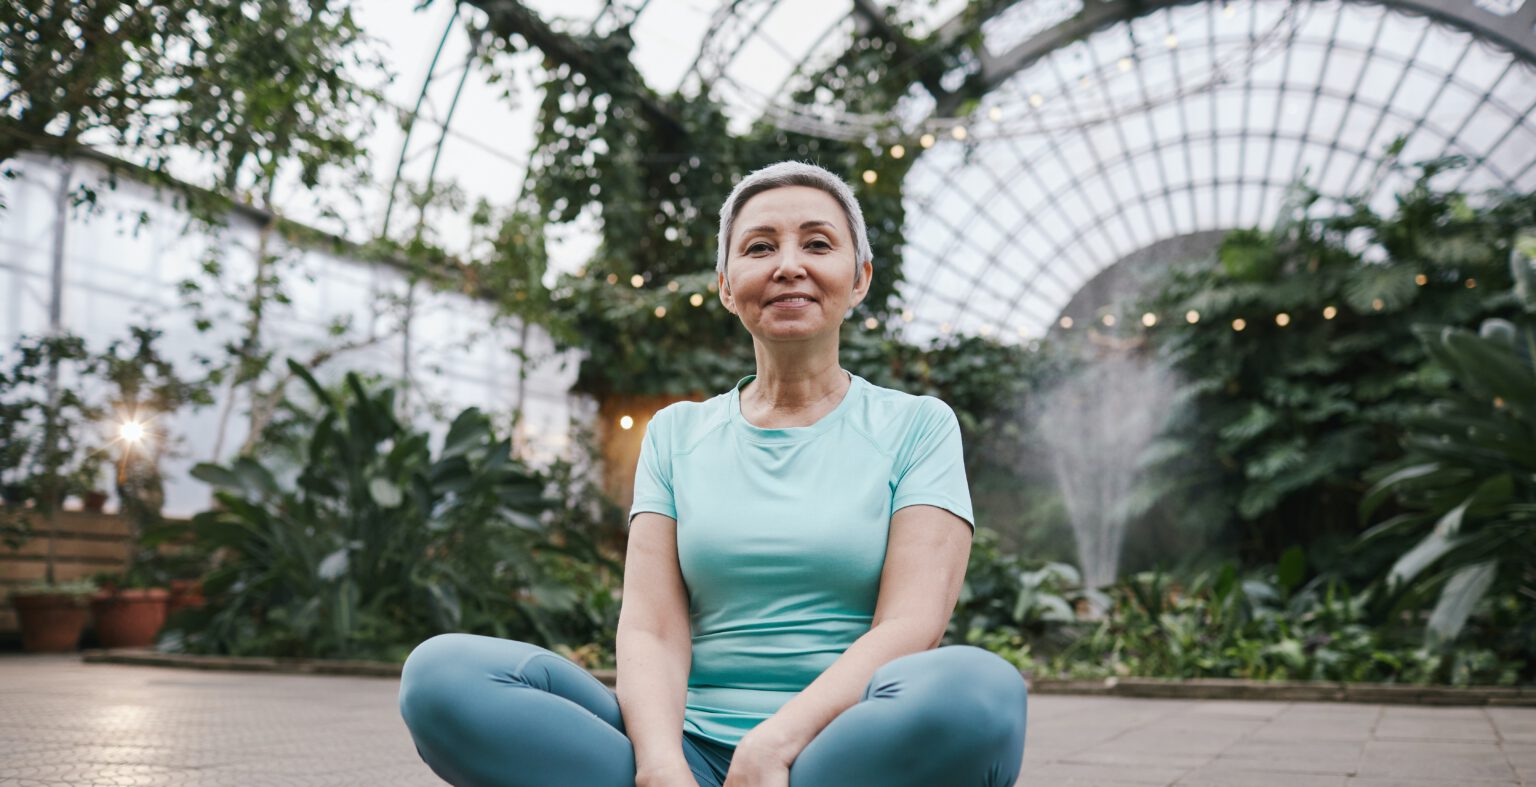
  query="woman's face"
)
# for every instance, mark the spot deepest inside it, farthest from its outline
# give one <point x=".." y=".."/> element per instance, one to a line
<point x="790" y="268"/>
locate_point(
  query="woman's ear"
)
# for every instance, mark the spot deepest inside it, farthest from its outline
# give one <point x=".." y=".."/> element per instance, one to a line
<point x="865" y="271"/>
<point x="723" y="285"/>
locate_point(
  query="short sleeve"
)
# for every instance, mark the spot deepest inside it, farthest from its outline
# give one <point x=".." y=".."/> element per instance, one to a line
<point x="930" y="466"/>
<point x="653" y="472"/>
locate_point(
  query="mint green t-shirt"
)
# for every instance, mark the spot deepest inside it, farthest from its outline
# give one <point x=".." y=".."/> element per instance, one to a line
<point x="781" y="534"/>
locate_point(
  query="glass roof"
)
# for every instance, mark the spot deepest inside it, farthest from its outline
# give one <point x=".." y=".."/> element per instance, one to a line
<point x="1190" y="117"/>
<point x="1193" y="117"/>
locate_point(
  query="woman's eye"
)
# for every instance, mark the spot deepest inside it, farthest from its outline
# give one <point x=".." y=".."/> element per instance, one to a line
<point x="819" y="244"/>
<point x="757" y="247"/>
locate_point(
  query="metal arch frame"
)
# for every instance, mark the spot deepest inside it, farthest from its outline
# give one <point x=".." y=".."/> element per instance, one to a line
<point x="1028" y="165"/>
<point x="1513" y="32"/>
<point x="1266" y="181"/>
<point x="1306" y="145"/>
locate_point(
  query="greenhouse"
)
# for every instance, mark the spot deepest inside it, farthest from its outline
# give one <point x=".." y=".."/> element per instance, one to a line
<point x="1195" y="358"/>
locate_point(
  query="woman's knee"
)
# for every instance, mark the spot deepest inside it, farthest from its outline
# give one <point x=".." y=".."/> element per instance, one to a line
<point x="430" y="674"/>
<point x="960" y="684"/>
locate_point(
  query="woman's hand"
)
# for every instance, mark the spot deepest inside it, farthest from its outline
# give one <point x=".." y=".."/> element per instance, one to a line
<point x="759" y="763"/>
<point x="674" y="774"/>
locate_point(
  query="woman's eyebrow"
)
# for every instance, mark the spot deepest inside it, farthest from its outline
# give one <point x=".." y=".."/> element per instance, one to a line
<point x="808" y="225"/>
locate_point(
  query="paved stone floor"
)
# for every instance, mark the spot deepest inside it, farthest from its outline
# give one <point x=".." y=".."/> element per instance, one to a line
<point x="67" y="723"/>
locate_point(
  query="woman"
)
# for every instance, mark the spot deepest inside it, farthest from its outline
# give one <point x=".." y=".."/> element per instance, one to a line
<point x="796" y="548"/>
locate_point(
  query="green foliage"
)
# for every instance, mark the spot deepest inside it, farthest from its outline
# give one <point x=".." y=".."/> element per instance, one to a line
<point x="1466" y="490"/>
<point x="49" y="447"/>
<point x="1276" y="423"/>
<point x="262" y="92"/>
<point x="380" y="542"/>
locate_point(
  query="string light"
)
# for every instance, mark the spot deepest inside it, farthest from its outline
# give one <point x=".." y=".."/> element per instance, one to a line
<point x="672" y="286"/>
<point x="926" y="141"/>
<point x="1192" y="316"/>
<point x="1330" y="312"/>
<point x="1471" y="283"/>
<point x="636" y="280"/>
<point x="1172" y="41"/>
<point x="897" y="151"/>
<point x="871" y="323"/>
<point x="1378" y="304"/>
<point x="870" y="176"/>
<point x="661" y="311"/>
<point x="1421" y="280"/>
<point x="906" y="315"/>
<point x="1125" y="64"/>
<point x="1282" y="319"/>
<point x="958" y="132"/>
<point x="1239" y="324"/>
<point x="1149" y="319"/>
<point x="995" y="113"/>
<point x="626" y="423"/>
<point x="1109" y="320"/>
<point x="613" y="278"/>
<point x="696" y="299"/>
<point x="1035" y="100"/>
<point x="1066" y="322"/>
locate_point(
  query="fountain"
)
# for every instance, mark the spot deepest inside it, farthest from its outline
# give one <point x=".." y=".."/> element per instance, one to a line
<point x="1095" y="425"/>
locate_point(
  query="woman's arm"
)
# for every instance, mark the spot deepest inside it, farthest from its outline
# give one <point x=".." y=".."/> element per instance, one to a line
<point x="925" y="562"/>
<point x="654" y="645"/>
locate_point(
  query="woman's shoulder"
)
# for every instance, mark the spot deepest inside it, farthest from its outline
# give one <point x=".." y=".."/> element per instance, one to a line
<point x="685" y="423"/>
<point x="889" y="415"/>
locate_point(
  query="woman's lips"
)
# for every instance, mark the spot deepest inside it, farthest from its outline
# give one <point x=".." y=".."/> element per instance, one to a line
<point x="791" y="304"/>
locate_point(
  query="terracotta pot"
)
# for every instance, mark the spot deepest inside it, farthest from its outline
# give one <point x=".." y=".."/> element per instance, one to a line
<point x="94" y="501"/>
<point x="50" y="622"/>
<point x="185" y="593"/>
<point x="129" y="618"/>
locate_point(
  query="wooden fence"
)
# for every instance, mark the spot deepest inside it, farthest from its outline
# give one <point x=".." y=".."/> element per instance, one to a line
<point x="87" y="543"/>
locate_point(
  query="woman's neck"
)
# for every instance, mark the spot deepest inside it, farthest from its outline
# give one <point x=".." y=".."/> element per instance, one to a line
<point x="790" y="385"/>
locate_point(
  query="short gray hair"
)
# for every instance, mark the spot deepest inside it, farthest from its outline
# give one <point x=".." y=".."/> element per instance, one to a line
<point x="794" y="173"/>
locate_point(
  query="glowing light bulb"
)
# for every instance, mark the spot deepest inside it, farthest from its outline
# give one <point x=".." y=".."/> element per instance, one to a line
<point x="1109" y="320"/>
<point x="906" y="315"/>
<point x="672" y="286"/>
<point x="1172" y="41"/>
<point x="1066" y="322"/>
<point x="636" y="280"/>
<point x="1471" y="283"/>
<point x="696" y="299"/>
<point x="1035" y="99"/>
<point x="870" y="176"/>
<point x="871" y="323"/>
<point x="1192" y="316"/>
<point x="1378" y="304"/>
<point x="995" y="113"/>
<point x="1239" y="324"/>
<point x="958" y="132"/>
<point x="1125" y="64"/>
<point x="1149" y="319"/>
<point x="897" y="151"/>
<point x="1330" y="312"/>
<point x="613" y="278"/>
<point x="926" y="140"/>
<point x="1282" y="319"/>
<point x="626" y="423"/>
<point x="1421" y="280"/>
<point x="661" y="311"/>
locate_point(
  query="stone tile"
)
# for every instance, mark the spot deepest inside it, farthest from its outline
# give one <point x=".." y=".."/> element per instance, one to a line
<point x="1398" y="781"/>
<point x="1426" y="760"/>
<point x="1522" y="756"/>
<point x="1086" y="773"/>
<point x="1227" y="775"/>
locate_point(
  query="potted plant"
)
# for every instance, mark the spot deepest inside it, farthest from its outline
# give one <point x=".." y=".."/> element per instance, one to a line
<point x="52" y="615"/>
<point x="132" y="606"/>
<point x="43" y="413"/>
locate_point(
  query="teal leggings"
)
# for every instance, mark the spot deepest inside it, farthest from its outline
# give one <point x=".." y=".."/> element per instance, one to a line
<point x="488" y="711"/>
